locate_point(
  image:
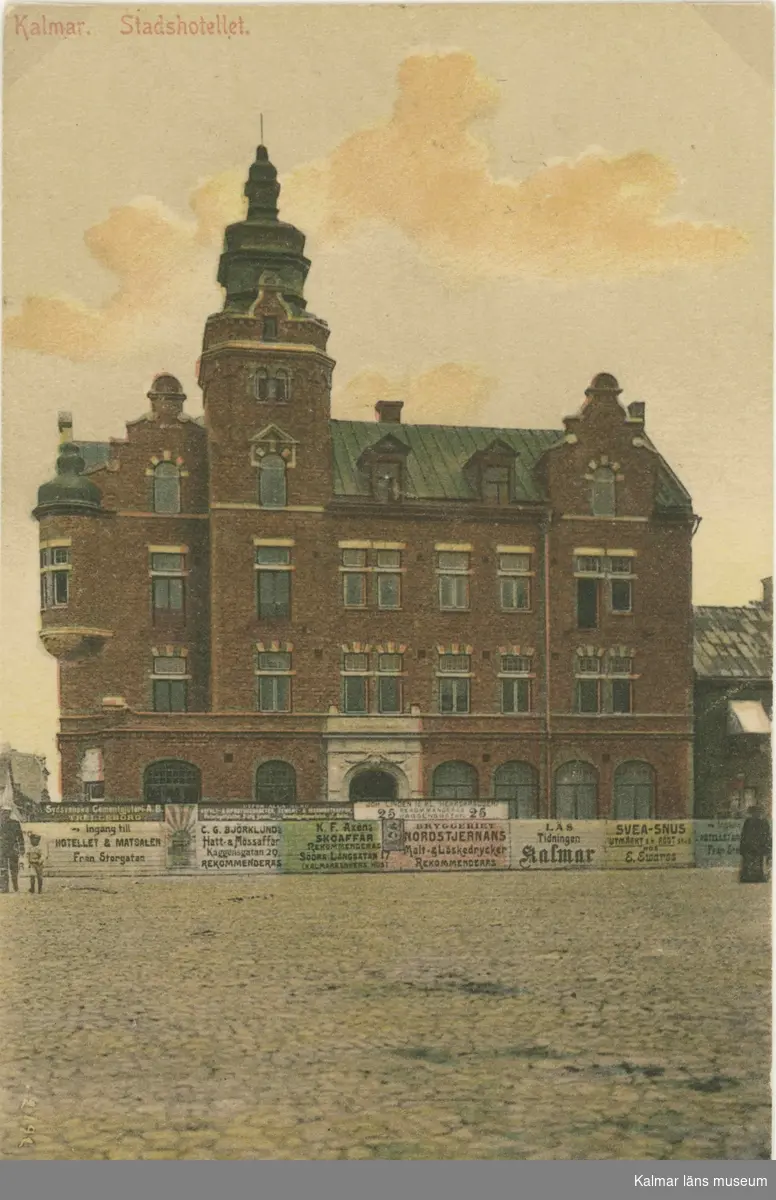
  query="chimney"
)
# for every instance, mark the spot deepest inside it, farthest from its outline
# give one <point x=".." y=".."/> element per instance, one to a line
<point x="637" y="411"/>
<point x="389" y="411"/>
<point x="65" y="425"/>
<point x="767" y="600"/>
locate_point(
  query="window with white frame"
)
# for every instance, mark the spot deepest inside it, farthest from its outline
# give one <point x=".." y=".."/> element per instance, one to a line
<point x="273" y="681"/>
<point x="371" y="575"/>
<point x="55" y="567"/>
<point x="387" y="574"/>
<point x="514" y="577"/>
<point x="271" y="386"/>
<point x="168" y="584"/>
<point x="169" y="682"/>
<point x="604" y="683"/>
<point x="273" y="492"/>
<point x="454" y="678"/>
<point x="515" y="675"/>
<point x="603" y="579"/>
<point x="354" y="577"/>
<point x="273" y="581"/>
<point x="453" y="579"/>
<point x="603" y="492"/>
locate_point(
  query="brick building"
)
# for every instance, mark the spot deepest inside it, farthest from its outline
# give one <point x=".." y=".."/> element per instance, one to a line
<point x="268" y="603"/>
<point x="733" y="706"/>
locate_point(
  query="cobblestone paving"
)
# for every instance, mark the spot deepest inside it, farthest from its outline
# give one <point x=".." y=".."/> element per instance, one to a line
<point x="604" y="1015"/>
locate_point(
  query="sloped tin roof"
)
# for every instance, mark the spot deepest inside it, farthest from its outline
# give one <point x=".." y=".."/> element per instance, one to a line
<point x="733" y="643"/>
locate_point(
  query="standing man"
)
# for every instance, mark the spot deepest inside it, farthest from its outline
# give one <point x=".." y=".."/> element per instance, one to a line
<point x="755" y="846"/>
<point x="11" y="849"/>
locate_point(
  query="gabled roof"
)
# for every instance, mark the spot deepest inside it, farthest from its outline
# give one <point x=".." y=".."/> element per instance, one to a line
<point x="733" y="643"/>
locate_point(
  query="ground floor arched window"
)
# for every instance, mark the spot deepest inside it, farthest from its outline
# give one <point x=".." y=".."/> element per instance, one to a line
<point x="454" y="781"/>
<point x="518" y="783"/>
<point x="634" y="791"/>
<point x="172" y="781"/>
<point x="576" y="791"/>
<point x="276" y="783"/>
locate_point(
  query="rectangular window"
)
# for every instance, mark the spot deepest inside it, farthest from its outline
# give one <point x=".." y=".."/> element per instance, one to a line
<point x="620" y="566"/>
<point x="168" y="563"/>
<point x="354" y="578"/>
<point x="171" y="664"/>
<point x="620" y="666"/>
<point x="169" y="695"/>
<point x="273" y="582"/>
<point x="495" y="485"/>
<point x="55" y="576"/>
<point x="622" y="696"/>
<point x="589" y="666"/>
<point x="590" y="564"/>
<point x="168" y="595"/>
<point x="354" y="693"/>
<point x="622" y="598"/>
<point x="274" y="693"/>
<point x="515" y="695"/>
<point x="354" y="589"/>
<point x="455" y="664"/>
<point x="515" y="594"/>
<point x="453" y="592"/>
<point x="453" y="695"/>
<point x="389" y="694"/>
<point x="516" y="664"/>
<point x="356" y="662"/>
<point x="587" y="603"/>
<point x="270" y="329"/>
<point x="588" y="695"/>
<point x="515" y="564"/>
<point x="388" y="577"/>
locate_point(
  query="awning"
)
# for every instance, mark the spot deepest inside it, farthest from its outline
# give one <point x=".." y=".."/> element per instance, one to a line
<point x="748" y="716"/>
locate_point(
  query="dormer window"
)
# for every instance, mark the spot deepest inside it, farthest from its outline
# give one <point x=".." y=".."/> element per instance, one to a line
<point x="489" y="472"/>
<point x="270" y="329"/>
<point x="495" y="485"/>
<point x="387" y="481"/>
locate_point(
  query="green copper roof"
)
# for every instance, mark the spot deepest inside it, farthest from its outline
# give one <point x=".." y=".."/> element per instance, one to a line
<point x="439" y="453"/>
<point x="437" y="456"/>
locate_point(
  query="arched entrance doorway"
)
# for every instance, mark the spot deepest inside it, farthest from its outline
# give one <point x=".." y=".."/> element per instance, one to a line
<point x="377" y="787"/>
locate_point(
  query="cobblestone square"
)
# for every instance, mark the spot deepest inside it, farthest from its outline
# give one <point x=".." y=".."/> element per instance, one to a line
<point x="505" y="1015"/>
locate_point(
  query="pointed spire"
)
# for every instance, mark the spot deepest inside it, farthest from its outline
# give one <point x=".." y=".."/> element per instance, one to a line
<point x="262" y="247"/>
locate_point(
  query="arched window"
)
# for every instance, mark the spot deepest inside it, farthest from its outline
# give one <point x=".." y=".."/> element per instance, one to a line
<point x="454" y="781"/>
<point x="271" y="387"/>
<point x="167" y="488"/>
<point x="634" y="791"/>
<point x="517" y="782"/>
<point x="172" y="782"/>
<point x="272" y="482"/>
<point x="576" y="792"/>
<point x="276" y="783"/>
<point x="603" y="499"/>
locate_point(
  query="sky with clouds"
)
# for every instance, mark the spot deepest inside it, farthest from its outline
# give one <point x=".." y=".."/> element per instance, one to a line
<point x="499" y="203"/>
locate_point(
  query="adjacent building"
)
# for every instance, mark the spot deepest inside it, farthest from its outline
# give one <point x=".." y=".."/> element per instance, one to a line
<point x="267" y="603"/>
<point x="733" y="706"/>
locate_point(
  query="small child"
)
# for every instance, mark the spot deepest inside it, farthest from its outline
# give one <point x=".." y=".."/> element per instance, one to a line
<point x="35" y="862"/>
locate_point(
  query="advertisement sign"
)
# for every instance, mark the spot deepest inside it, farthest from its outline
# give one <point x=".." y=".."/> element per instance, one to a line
<point x="642" y="844"/>
<point x="716" y="843"/>
<point x="233" y="844"/>
<point x="446" y="845"/>
<point x="433" y="810"/>
<point x="101" y="847"/>
<point x="274" y="812"/>
<point x="310" y="846"/>
<point x="100" y="812"/>
<point x="557" y="844"/>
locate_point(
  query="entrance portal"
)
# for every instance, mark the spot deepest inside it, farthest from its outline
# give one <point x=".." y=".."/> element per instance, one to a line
<point x="376" y="787"/>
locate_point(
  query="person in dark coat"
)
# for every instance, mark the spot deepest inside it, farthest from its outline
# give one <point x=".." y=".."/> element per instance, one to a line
<point x="755" y="846"/>
<point x="11" y="850"/>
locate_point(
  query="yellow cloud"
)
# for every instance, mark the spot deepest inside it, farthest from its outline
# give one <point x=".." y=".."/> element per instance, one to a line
<point x="426" y="173"/>
<point x="153" y="252"/>
<point x="448" y="394"/>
